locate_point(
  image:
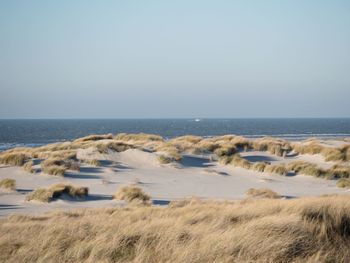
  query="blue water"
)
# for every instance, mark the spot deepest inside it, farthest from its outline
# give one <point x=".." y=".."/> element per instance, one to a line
<point x="37" y="132"/>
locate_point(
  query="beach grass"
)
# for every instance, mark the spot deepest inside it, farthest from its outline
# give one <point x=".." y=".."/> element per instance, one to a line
<point x="56" y="191"/>
<point x="8" y="184"/>
<point x="253" y="230"/>
<point x="262" y="193"/>
<point x="131" y="193"/>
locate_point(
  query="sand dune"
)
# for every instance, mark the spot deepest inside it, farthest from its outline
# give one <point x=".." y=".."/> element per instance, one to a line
<point x="198" y="175"/>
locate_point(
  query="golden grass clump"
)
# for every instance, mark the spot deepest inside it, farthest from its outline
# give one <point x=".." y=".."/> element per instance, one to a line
<point x="207" y="146"/>
<point x="333" y="154"/>
<point x="301" y="167"/>
<point x="95" y="137"/>
<point x="225" y="151"/>
<point x="339" y="171"/>
<point x="225" y="160"/>
<point x="138" y="137"/>
<point x="92" y="162"/>
<point x="28" y="166"/>
<point x="59" y="154"/>
<point x="237" y="160"/>
<point x="163" y="159"/>
<point x="113" y="146"/>
<point x="13" y="158"/>
<point x="132" y="194"/>
<point x="255" y="230"/>
<point x="53" y="167"/>
<point x="343" y="183"/>
<point x="312" y="147"/>
<point x="170" y="151"/>
<point x="347" y="153"/>
<point x="186" y="138"/>
<point x="276" y="169"/>
<point x="56" y="166"/>
<point x="262" y="193"/>
<point x="54" y="170"/>
<point x="8" y="184"/>
<point x="274" y="146"/>
<point x="259" y="166"/>
<point x="57" y="191"/>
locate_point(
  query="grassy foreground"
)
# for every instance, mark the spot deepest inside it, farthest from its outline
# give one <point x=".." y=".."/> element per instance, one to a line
<point x="300" y="230"/>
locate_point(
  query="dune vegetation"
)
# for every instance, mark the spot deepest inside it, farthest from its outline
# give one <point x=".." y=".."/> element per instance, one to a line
<point x="92" y="162"/>
<point x="28" y="166"/>
<point x="343" y="183"/>
<point x="131" y="193"/>
<point x="298" y="167"/>
<point x="8" y="184"/>
<point x="15" y="159"/>
<point x="58" y="158"/>
<point x="253" y="230"/>
<point x="262" y="193"/>
<point x="163" y="159"/>
<point x="57" y="191"/>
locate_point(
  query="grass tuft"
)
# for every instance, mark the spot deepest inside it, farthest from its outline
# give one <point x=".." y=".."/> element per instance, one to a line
<point x="92" y="162"/>
<point x="8" y="184"/>
<point x="344" y="183"/>
<point x="15" y="159"/>
<point x="28" y="166"/>
<point x="163" y="159"/>
<point x="262" y="193"/>
<point x="131" y="194"/>
<point x="56" y="191"/>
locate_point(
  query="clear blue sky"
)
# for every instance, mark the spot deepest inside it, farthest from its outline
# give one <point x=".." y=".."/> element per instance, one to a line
<point x="169" y="59"/>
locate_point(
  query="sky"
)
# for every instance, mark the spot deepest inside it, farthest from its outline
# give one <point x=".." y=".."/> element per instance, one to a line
<point x="174" y="59"/>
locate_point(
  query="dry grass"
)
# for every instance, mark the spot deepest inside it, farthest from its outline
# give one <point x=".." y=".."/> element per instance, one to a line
<point x="163" y="159"/>
<point x="259" y="166"/>
<point x="57" y="191"/>
<point x="170" y="151"/>
<point x="301" y="167"/>
<point x="186" y="138"/>
<point x="336" y="171"/>
<point x="207" y="146"/>
<point x="113" y="146"/>
<point x="95" y="137"/>
<point x="227" y="150"/>
<point x="276" y="169"/>
<point x="255" y="230"/>
<point x="138" y="137"/>
<point x="132" y="193"/>
<point x="60" y="154"/>
<point x="274" y="146"/>
<point x="92" y="162"/>
<point x="53" y="167"/>
<point x="262" y="193"/>
<point x="312" y="147"/>
<point x="8" y="184"/>
<point x="339" y="171"/>
<point x="28" y="166"/>
<point x="329" y="153"/>
<point x="13" y="158"/>
<point x="344" y="183"/>
<point x="56" y="166"/>
<point x="237" y="160"/>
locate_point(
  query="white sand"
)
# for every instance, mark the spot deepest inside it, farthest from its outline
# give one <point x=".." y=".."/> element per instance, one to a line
<point x="195" y="176"/>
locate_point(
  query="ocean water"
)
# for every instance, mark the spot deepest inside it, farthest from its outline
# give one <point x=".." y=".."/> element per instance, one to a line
<point x="15" y="133"/>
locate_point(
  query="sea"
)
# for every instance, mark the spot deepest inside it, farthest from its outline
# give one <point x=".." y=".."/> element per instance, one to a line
<point x="36" y="132"/>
